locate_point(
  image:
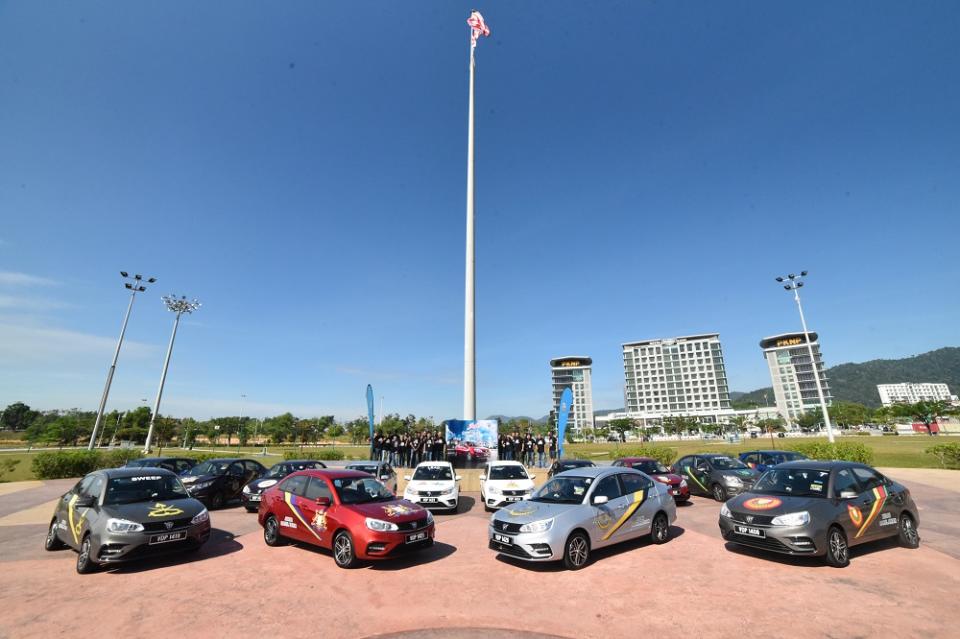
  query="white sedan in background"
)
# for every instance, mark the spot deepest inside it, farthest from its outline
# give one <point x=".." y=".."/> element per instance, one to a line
<point x="504" y="482"/>
<point x="433" y="485"/>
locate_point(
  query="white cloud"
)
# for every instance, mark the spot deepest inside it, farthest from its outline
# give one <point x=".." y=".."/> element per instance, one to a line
<point x="30" y="303"/>
<point x="22" y="345"/>
<point x="13" y="278"/>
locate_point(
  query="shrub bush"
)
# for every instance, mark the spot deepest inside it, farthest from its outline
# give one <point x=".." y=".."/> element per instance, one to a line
<point x="662" y="454"/>
<point x="118" y="457"/>
<point x="324" y="454"/>
<point x="843" y="451"/>
<point x="61" y="464"/>
<point x="947" y="454"/>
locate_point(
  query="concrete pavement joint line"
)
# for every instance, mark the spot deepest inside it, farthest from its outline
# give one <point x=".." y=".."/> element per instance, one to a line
<point x="464" y="633"/>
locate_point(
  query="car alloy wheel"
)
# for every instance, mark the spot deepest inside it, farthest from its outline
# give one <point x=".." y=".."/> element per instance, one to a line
<point x="577" y="551"/>
<point x="719" y="493"/>
<point x="52" y="542"/>
<point x="660" y="531"/>
<point x="271" y="531"/>
<point x="343" y="553"/>
<point x="838" y="553"/>
<point x="909" y="537"/>
<point x="85" y="564"/>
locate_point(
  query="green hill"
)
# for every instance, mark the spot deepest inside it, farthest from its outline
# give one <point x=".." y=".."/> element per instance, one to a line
<point x="858" y="382"/>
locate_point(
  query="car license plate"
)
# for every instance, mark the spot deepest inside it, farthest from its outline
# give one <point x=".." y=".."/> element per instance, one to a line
<point x="747" y="530"/>
<point x="254" y="497"/>
<point x="502" y="539"/>
<point x="417" y="536"/>
<point x="164" y="538"/>
<point x="674" y="492"/>
<point x="514" y="498"/>
<point x="428" y="500"/>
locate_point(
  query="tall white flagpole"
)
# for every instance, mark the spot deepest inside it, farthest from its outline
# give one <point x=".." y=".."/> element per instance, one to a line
<point x="469" y="319"/>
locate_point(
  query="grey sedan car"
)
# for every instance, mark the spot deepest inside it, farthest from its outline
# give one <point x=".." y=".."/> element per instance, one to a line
<point x="123" y="514"/>
<point x="717" y="476"/>
<point x="580" y="510"/>
<point x="820" y="508"/>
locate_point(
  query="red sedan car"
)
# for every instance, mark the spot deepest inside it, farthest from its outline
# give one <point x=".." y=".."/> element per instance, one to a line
<point x="346" y="511"/>
<point x="677" y="484"/>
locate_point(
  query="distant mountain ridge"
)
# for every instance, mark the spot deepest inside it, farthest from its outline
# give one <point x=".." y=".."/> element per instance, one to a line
<point x="858" y="382"/>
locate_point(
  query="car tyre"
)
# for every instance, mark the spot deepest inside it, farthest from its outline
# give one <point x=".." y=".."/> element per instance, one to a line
<point x="660" y="529"/>
<point x="251" y="510"/>
<point x="838" y="551"/>
<point x="271" y="532"/>
<point x="344" y="554"/>
<point x="216" y="500"/>
<point x="52" y="542"/>
<point x="907" y="532"/>
<point x="719" y="493"/>
<point x="576" y="552"/>
<point x="85" y="563"/>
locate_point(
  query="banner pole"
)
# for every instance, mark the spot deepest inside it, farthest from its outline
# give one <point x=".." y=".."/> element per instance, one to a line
<point x="469" y="337"/>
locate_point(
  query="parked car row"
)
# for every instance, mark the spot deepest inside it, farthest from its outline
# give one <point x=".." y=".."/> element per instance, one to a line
<point x="795" y="507"/>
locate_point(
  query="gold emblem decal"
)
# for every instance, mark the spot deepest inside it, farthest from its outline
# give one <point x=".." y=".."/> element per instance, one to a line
<point x="320" y="520"/>
<point x="397" y="510"/>
<point x="603" y="520"/>
<point x="162" y="510"/>
<point x="520" y="511"/>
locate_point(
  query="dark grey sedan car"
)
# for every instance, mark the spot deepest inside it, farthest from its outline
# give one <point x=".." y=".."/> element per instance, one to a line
<point x="122" y="514"/>
<point x="821" y="509"/>
<point x="717" y="476"/>
<point x="383" y="471"/>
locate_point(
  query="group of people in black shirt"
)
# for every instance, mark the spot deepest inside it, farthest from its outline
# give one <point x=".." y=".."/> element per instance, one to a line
<point x="529" y="448"/>
<point x="406" y="451"/>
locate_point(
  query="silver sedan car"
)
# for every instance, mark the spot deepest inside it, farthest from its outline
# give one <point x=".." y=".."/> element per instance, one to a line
<point x="580" y="510"/>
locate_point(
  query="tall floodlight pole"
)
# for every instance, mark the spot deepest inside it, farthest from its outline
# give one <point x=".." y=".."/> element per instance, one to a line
<point x="792" y="282"/>
<point x="240" y="424"/>
<point x="178" y="306"/>
<point x="135" y="287"/>
<point x="477" y="28"/>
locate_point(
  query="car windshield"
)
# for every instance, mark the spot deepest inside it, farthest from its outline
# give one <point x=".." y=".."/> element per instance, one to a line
<point x="574" y="464"/>
<point x="129" y="490"/>
<point x="790" y="456"/>
<point x="796" y="482"/>
<point x="726" y="463"/>
<point x="651" y="467"/>
<point x="563" y="490"/>
<point x="361" y="490"/>
<point x="364" y="468"/>
<point x="284" y="469"/>
<point x="209" y="468"/>
<point x="432" y="473"/>
<point x="508" y="472"/>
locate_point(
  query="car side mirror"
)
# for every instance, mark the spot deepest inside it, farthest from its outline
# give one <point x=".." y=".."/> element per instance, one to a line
<point x="701" y="469"/>
<point x="406" y="478"/>
<point x="848" y="494"/>
<point x="600" y="499"/>
<point x="532" y="477"/>
<point x="384" y="476"/>
<point x="323" y="501"/>
<point x="483" y="478"/>
<point x="457" y="477"/>
<point x="85" y="501"/>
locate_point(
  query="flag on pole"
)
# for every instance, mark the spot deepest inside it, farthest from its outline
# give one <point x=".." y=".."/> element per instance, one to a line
<point x="477" y="28"/>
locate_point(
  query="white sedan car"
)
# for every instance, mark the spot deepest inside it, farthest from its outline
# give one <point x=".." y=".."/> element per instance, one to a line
<point x="504" y="482"/>
<point x="433" y="485"/>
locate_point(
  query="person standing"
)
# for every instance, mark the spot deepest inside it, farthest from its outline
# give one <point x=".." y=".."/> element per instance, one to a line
<point x="552" y="446"/>
<point x="438" y="447"/>
<point x="541" y="451"/>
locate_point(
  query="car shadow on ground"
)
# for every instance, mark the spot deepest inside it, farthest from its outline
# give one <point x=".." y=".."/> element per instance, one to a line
<point x="434" y="553"/>
<point x="813" y="562"/>
<point x="602" y="554"/>
<point x="466" y="505"/>
<point x="221" y="543"/>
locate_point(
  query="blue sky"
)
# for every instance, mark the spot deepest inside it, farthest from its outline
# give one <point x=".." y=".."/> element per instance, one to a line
<point x="644" y="169"/>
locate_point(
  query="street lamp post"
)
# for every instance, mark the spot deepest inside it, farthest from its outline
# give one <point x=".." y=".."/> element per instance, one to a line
<point x="792" y="282"/>
<point x="134" y="288"/>
<point x="240" y="423"/>
<point x="178" y="306"/>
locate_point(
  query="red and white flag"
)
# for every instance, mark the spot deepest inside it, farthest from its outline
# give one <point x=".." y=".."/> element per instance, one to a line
<point x="477" y="28"/>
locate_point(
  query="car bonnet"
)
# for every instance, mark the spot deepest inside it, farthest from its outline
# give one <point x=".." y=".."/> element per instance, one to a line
<point x="144" y="512"/>
<point x="524" y="512"/>
<point x="398" y="511"/>
<point x="769" y="505"/>
<point x="421" y="484"/>
<point x="742" y="473"/>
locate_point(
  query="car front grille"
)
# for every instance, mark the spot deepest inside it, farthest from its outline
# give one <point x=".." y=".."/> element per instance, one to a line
<point x="429" y="493"/>
<point x="508" y="549"/>
<point x="514" y="493"/>
<point x="413" y="525"/>
<point x="766" y="543"/>
<point x="755" y="520"/>
<point x="160" y="526"/>
<point x="503" y="526"/>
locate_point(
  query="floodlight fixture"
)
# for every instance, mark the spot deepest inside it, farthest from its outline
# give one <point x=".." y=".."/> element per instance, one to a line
<point x="123" y="273"/>
<point x="779" y="279"/>
<point x="803" y="273"/>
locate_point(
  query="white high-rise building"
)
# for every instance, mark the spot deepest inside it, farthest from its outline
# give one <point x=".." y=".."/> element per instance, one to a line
<point x="911" y="393"/>
<point x="679" y="376"/>
<point x="574" y="373"/>
<point x="791" y="373"/>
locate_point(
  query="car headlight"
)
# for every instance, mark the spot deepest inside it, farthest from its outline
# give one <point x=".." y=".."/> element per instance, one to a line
<point x="683" y="483"/>
<point x="537" y="526"/>
<point x="792" y="519"/>
<point x="115" y="525"/>
<point x="429" y="517"/>
<point x="246" y="489"/>
<point x="733" y="481"/>
<point x="380" y="525"/>
<point x="493" y="490"/>
<point x="268" y="483"/>
<point x="725" y="512"/>
<point x="449" y="491"/>
<point x="200" y="517"/>
<point x="665" y="480"/>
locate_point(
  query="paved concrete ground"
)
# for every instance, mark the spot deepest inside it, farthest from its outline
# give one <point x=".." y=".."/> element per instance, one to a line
<point x="694" y="585"/>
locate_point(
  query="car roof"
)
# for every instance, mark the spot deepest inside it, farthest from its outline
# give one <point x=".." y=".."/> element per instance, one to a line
<point x="575" y="461"/>
<point x="121" y="473"/>
<point x="299" y="461"/>
<point x="599" y="471"/>
<point x="228" y="459"/>
<point x="635" y="459"/>
<point x="505" y="462"/>
<point x="335" y="473"/>
<point x="820" y="464"/>
<point x="770" y="452"/>
<point x="434" y="463"/>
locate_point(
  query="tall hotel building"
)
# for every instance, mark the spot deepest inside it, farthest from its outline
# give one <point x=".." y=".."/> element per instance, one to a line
<point x="680" y="376"/>
<point x="791" y="372"/>
<point x="910" y="393"/>
<point x="574" y="373"/>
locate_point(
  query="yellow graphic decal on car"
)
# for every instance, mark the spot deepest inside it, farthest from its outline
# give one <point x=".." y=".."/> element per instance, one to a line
<point x="856" y="517"/>
<point x="632" y="508"/>
<point x="320" y="520"/>
<point x="520" y="511"/>
<point x="880" y="496"/>
<point x="397" y="509"/>
<point x="162" y="510"/>
<point x="290" y="498"/>
<point x="603" y="520"/>
<point x="75" y="525"/>
<point x="693" y="477"/>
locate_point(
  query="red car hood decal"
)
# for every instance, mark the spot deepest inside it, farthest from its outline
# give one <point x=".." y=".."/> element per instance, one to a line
<point x="397" y="511"/>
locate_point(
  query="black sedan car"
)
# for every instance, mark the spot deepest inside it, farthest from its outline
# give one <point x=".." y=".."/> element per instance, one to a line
<point x="122" y="514"/>
<point x="178" y="465"/>
<point x="820" y="508"/>
<point x="252" y="492"/>
<point x="717" y="476"/>
<point x="217" y="481"/>
<point x="562" y="465"/>
<point x="381" y="470"/>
